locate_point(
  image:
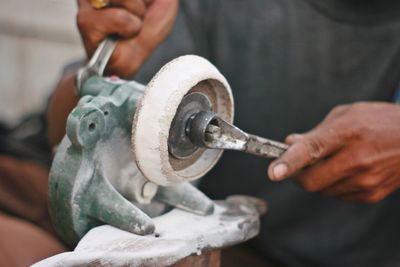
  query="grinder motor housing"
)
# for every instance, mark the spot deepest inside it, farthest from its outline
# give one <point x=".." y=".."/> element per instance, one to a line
<point x="126" y="155"/>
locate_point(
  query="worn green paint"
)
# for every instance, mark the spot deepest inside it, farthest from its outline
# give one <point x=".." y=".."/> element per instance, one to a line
<point x="80" y="195"/>
<point x="95" y="158"/>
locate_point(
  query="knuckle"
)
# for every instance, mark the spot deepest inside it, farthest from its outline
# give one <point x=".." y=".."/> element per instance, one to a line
<point x="314" y="148"/>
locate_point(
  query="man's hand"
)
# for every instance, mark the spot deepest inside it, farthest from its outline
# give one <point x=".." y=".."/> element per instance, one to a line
<point x="141" y="24"/>
<point x="354" y="154"/>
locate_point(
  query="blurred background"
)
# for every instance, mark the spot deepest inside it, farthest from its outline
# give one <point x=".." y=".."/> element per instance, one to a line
<point x="37" y="38"/>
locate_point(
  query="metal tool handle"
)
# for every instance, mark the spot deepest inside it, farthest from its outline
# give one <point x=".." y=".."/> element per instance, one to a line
<point x="263" y="147"/>
<point x="102" y="55"/>
<point x="206" y="129"/>
<point x="97" y="63"/>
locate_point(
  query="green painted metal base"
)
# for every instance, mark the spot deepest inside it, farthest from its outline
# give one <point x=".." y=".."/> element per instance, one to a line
<point x="94" y="179"/>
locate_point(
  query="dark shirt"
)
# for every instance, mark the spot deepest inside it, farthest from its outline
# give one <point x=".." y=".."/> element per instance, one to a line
<point x="289" y="63"/>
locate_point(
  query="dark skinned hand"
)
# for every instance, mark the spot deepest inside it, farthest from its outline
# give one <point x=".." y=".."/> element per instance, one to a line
<point x="353" y="154"/>
<point x="141" y="24"/>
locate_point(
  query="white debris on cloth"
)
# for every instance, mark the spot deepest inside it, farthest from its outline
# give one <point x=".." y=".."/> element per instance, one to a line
<point x="178" y="235"/>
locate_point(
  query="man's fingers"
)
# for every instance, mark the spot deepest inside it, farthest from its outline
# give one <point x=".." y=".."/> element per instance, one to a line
<point x="118" y="21"/>
<point x="299" y="155"/>
<point x="366" y="197"/>
<point x="364" y="188"/>
<point x="290" y="139"/>
<point x="376" y="188"/>
<point x="136" y="7"/>
<point x="327" y="173"/>
<point x="123" y="18"/>
<point x="158" y="22"/>
<point x="96" y="25"/>
<point x="160" y="15"/>
<point x="356" y="184"/>
<point x="337" y="112"/>
<point x="342" y="187"/>
<point x="124" y="52"/>
<point x="305" y="151"/>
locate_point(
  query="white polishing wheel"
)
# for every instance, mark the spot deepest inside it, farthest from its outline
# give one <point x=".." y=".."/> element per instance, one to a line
<point x="156" y="111"/>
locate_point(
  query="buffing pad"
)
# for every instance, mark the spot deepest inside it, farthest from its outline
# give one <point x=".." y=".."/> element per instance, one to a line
<point x="157" y="109"/>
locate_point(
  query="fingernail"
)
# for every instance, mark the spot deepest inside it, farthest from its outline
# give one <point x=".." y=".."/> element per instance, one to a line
<point x="279" y="171"/>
